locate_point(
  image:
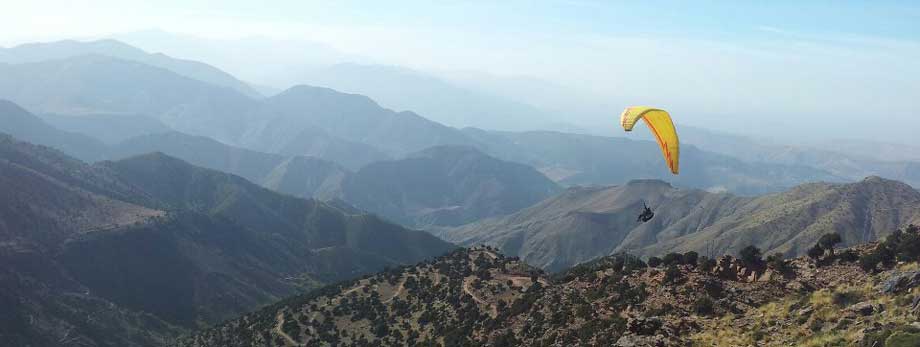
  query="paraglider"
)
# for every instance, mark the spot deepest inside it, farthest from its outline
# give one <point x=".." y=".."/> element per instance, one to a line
<point x="659" y="122"/>
<point x="646" y="215"/>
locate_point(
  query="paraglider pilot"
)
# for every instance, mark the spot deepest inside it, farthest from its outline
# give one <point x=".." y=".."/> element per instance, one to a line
<point x="646" y="215"/>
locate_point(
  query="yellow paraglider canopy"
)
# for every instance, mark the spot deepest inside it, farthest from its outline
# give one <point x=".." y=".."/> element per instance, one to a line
<point x="659" y="122"/>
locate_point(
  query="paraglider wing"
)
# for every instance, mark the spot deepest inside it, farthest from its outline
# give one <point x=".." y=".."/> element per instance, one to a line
<point x="659" y="122"/>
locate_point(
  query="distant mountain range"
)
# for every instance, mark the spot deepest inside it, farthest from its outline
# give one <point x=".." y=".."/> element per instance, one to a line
<point x="108" y="128"/>
<point x="188" y="246"/>
<point x="847" y="159"/>
<point x="38" y="52"/>
<point x="437" y="99"/>
<point x="585" y="223"/>
<point x="353" y="130"/>
<point x="17" y="121"/>
<point x="439" y="186"/>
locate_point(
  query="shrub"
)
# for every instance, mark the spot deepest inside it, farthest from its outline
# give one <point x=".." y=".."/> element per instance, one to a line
<point x="903" y="339"/>
<point x="828" y="241"/>
<point x="704" y="306"/>
<point x="751" y="255"/>
<point x="848" y="256"/>
<point x="908" y="247"/>
<point x="691" y="258"/>
<point x="654" y="261"/>
<point x="672" y="259"/>
<point x="672" y="274"/>
<point x="815" y="252"/>
<point x="845" y="298"/>
<point x="777" y="262"/>
<point x="706" y="264"/>
<point x="868" y="262"/>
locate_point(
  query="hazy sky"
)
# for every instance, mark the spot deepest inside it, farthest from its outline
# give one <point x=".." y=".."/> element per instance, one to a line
<point x="786" y="66"/>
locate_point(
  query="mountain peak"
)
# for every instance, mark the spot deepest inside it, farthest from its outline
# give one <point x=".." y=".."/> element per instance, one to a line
<point x="321" y="97"/>
<point x="649" y="182"/>
<point x="876" y="179"/>
<point x="880" y="182"/>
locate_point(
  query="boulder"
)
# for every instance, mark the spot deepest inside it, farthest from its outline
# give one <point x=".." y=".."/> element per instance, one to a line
<point x="865" y="308"/>
<point x="915" y="305"/>
<point x="642" y="341"/>
<point x="643" y="326"/>
<point x="901" y="282"/>
<point x="799" y="286"/>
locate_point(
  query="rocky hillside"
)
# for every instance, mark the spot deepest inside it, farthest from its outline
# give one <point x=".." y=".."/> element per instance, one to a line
<point x="479" y="297"/>
<point x="584" y="223"/>
<point x="130" y="253"/>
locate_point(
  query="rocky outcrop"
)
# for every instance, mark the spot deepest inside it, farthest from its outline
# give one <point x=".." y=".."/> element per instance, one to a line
<point x="865" y="308"/>
<point x="901" y="282"/>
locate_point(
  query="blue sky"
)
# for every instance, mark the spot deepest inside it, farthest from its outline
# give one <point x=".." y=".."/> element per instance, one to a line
<point x="732" y="65"/>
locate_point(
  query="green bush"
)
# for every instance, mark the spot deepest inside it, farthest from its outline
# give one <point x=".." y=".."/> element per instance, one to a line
<point x="815" y="252"/>
<point x="672" y="259"/>
<point x="828" y="241"/>
<point x="903" y="339"/>
<point x="704" y="306"/>
<point x="899" y="246"/>
<point x="706" y="264"/>
<point x="672" y="274"/>
<point x="848" y="256"/>
<point x="777" y="262"/>
<point x="751" y="256"/>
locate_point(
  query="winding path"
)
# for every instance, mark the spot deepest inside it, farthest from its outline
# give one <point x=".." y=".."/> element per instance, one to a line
<point x="279" y="322"/>
<point x="399" y="290"/>
<point x="477" y="299"/>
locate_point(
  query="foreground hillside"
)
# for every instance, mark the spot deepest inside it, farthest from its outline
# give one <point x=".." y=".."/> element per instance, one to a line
<point x="856" y="297"/>
<point x="132" y="252"/>
<point x="584" y="223"/>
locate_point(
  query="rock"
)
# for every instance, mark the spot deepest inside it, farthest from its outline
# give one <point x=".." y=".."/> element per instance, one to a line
<point x="643" y="326"/>
<point x="799" y="286"/>
<point x="865" y="308"/>
<point x="752" y="277"/>
<point x="769" y="275"/>
<point x="641" y="341"/>
<point x="901" y="282"/>
<point x="842" y="324"/>
<point x="915" y="305"/>
<point x="806" y="311"/>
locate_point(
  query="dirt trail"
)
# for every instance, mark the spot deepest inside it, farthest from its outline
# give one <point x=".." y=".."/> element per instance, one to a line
<point x="399" y="290"/>
<point x="352" y="290"/>
<point x="279" y="322"/>
<point x="469" y="291"/>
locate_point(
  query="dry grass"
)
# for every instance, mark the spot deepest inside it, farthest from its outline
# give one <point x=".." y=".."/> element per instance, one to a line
<point x="789" y="321"/>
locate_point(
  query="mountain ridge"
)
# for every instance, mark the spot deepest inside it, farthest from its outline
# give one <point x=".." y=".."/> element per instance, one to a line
<point x="585" y="223"/>
<point x="36" y="52"/>
<point x="187" y="246"/>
